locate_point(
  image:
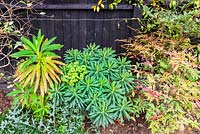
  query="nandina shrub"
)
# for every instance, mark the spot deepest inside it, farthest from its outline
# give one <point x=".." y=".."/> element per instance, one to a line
<point x="169" y="86"/>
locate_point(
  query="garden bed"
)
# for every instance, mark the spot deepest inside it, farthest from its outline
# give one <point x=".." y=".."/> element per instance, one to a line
<point x="139" y="126"/>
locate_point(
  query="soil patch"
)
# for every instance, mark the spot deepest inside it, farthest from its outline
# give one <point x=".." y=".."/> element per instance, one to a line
<point x="5" y="101"/>
<point x="129" y="127"/>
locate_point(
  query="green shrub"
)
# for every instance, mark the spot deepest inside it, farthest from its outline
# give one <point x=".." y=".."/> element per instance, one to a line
<point x="180" y="22"/>
<point x="102" y="92"/>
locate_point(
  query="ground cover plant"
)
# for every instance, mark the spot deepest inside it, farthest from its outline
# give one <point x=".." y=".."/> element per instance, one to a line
<point x="60" y="119"/>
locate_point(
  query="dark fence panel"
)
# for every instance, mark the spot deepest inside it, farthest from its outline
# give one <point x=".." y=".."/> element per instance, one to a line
<point x="76" y="25"/>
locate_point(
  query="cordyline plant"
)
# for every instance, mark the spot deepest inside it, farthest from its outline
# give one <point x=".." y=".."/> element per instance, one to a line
<point x="39" y="67"/>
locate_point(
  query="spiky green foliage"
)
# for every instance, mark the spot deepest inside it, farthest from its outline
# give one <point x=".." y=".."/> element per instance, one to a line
<point x="75" y="97"/>
<point x="102" y="114"/>
<point x="123" y="108"/>
<point x="102" y="92"/>
<point x="28" y="99"/>
<point x="39" y="67"/>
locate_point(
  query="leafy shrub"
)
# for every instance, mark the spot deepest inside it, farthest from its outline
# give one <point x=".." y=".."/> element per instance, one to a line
<point x="169" y="88"/>
<point x="166" y="53"/>
<point x="39" y="67"/>
<point x="180" y="22"/>
<point x="102" y="92"/>
<point x="158" y="4"/>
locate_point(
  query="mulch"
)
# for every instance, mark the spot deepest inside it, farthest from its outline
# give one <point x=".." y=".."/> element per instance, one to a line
<point x="139" y="126"/>
<point x="5" y="101"/>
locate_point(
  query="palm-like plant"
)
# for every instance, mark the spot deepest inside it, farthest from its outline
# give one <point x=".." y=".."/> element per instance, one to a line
<point x="40" y="65"/>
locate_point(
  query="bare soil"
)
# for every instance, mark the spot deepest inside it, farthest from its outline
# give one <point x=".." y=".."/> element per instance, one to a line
<point x="129" y="127"/>
<point x="5" y="101"/>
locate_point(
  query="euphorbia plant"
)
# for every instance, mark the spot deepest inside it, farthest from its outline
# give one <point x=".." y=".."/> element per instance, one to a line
<point x="107" y="79"/>
<point x="39" y="67"/>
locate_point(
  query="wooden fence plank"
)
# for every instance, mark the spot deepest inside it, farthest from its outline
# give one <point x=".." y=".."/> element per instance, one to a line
<point x="67" y="42"/>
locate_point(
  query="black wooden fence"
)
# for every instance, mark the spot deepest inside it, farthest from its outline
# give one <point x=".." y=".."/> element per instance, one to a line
<point x="75" y="24"/>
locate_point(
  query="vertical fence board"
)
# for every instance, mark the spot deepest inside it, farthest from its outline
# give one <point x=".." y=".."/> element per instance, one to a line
<point x="67" y="42"/>
<point x="99" y="28"/>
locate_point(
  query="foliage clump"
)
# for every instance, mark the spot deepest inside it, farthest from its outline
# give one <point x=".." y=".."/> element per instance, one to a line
<point x="48" y="112"/>
<point x="95" y="84"/>
<point x="73" y="73"/>
<point x="102" y="93"/>
<point x="169" y="88"/>
<point x="39" y="67"/>
<point x="61" y="119"/>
